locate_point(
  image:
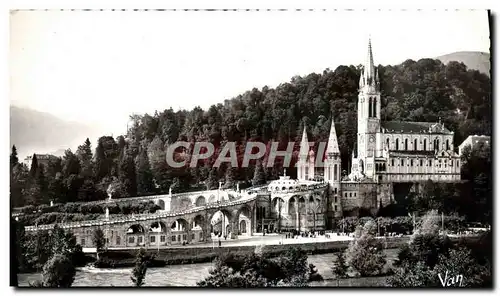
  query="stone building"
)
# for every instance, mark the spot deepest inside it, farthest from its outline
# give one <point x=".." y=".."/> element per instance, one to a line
<point x="387" y="153"/>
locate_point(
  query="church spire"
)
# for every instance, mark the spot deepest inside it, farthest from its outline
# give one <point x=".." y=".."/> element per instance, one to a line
<point x="304" y="143"/>
<point x="369" y="70"/>
<point x="333" y="146"/>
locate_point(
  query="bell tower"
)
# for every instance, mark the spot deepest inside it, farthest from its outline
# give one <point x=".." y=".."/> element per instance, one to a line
<point x="368" y="115"/>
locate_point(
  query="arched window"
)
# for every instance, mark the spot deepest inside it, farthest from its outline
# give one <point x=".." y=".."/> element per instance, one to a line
<point x="374" y="108"/>
<point x="406" y="144"/>
<point x="421" y="162"/>
<point x="415" y="144"/>
<point x="425" y="144"/>
<point x="370" y="106"/>
<point x="397" y="144"/>
<point x="335" y="175"/>
<point x="387" y="142"/>
<point x="436" y="144"/>
<point x="402" y="162"/>
<point x="448" y="144"/>
<point x="411" y="162"/>
<point x="392" y="162"/>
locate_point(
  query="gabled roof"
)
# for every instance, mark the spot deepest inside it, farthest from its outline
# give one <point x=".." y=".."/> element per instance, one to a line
<point x="412" y="127"/>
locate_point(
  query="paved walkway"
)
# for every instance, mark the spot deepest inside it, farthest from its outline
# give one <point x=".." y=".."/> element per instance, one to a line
<point x="256" y="240"/>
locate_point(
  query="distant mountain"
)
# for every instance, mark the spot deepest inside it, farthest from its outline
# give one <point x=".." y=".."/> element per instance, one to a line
<point x="472" y="59"/>
<point x="38" y="132"/>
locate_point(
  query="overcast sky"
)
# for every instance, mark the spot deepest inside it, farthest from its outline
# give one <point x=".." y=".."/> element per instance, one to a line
<point x="99" y="67"/>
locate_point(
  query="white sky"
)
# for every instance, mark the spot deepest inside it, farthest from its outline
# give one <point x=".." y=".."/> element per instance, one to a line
<point x="100" y="67"/>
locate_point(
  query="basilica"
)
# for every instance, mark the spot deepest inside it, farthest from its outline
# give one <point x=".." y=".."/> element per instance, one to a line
<point x="387" y="153"/>
<point x="391" y="158"/>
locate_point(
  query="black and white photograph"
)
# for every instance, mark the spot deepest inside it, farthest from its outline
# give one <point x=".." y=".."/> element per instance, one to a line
<point x="250" y="148"/>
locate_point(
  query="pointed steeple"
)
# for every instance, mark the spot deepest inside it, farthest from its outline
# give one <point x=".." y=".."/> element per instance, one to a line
<point x="369" y="70"/>
<point x="304" y="143"/>
<point x="333" y="145"/>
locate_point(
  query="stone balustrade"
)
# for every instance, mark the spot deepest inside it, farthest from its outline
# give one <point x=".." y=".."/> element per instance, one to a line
<point x="143" y="217"/>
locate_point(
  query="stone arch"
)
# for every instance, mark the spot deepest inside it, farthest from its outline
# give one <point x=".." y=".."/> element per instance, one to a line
<point x="157" y="226"/>
<point x="302" y="205"/>
<point x="292" y="206"/>
<point x="244" y="214"/>
<point x="243" y="227"/>
<point x="179" y="230"/>
<point x="200" y="201"/>
<point x="198" y="228"/>
<point x="135" y="235"/>
<point x="179" y="224"/>
<point x="157" y="233"/>
<point x="135" y="228"/>
<point x="278" y="204"/>
<point x="161" y="204"/>
<point x="436" y="143"/>
<point x="217" y="219"/>
<point x="212" y="199"/>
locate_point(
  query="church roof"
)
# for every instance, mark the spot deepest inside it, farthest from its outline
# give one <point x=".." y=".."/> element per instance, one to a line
<point x="411" y="153"/>
<point x="412" y="127"/>
<point x="333" y="146"/>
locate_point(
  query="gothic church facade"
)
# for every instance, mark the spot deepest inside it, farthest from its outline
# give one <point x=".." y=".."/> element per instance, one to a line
<point x="387" y="153"/>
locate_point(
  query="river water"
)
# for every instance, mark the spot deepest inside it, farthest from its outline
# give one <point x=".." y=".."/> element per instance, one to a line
<point x="190" y="274"/>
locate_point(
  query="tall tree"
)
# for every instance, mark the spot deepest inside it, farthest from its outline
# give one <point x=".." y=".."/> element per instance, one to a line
<point x="98" y="241"/>
<point x="14" y="160"/>
<point x="34" y="166"/>
<point x="140" y="268"/>
<point x="258" y="175"/>
<point x="84" y="155"/>
<point x="127" y="173"/>
<point x="145" y="184"/>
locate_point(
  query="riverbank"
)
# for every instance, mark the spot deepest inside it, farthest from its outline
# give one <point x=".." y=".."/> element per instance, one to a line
<point x="196" y="254"/>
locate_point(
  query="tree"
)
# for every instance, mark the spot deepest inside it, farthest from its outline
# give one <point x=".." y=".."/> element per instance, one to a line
<point x="230" y="177"/>
<point x="461" y="262"/>
<point x="212" y="180"/>
<point x="365" y="253"/>
<point x="34" y="166"/>
<point x="258" y="175"/>
<point x="145" y="182"/>
<point x="84" y="155"/>
<point x="71" y="164"/>
<point x="127" y="173"/>
<point x="313" y="274"/>
<point x="14" y="160"/>
<point x="140" y="268"/>
<point x="256" y="270"/>
<point x="411" y="276"/>
<point x="98" y="241"/>
<point x="58" y="272"/>
<point x="339" y="268"/>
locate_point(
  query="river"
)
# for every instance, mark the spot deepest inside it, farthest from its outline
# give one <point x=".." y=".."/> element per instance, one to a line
<point x="190" y="274"/>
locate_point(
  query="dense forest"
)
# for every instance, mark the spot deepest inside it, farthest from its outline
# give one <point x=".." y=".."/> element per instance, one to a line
<point x="135" y="163"/>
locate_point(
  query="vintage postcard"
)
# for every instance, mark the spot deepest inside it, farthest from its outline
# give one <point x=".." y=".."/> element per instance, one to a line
<point x="251" y="148"/>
